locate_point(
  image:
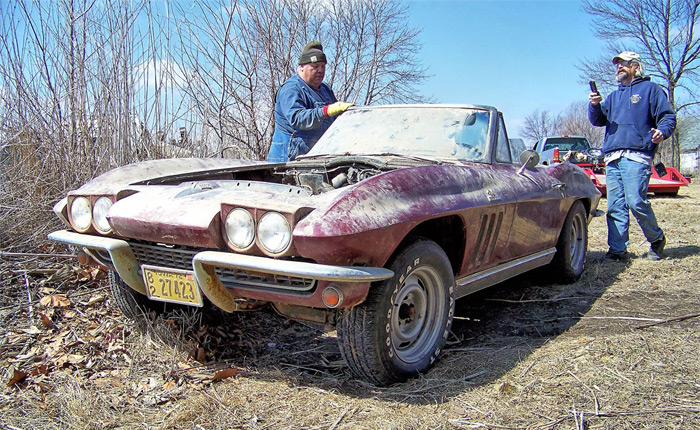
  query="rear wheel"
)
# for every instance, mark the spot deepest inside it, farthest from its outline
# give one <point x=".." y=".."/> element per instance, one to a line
<point x="401" y="328"/>
<point x="570" y="258"/>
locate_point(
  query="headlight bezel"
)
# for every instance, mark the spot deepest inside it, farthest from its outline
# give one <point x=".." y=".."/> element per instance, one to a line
<point x="99" y="214"/>
<point x="276" y="224"/>
<point x="248" y="243"/>
<point x="77" y="220"/>
<point x="291" y="213"/>
<point x="89" y="208"/>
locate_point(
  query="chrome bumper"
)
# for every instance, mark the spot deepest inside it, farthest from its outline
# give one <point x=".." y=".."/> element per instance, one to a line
<point x="205" y="263"/>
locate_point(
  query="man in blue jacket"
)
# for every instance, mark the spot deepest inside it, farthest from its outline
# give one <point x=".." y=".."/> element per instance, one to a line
<point x="637" y="117"/>
<point x="304" y="107"/>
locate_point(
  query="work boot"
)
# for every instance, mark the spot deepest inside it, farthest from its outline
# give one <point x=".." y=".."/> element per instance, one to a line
<point x="656" y="251"/>
<point x="615" y="256"/>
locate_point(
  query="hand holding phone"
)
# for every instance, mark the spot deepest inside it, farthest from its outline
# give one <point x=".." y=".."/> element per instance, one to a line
<point x="594" y="87"/>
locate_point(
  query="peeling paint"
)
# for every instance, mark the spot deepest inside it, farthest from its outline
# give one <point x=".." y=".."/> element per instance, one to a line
<point x="357" y="206"/>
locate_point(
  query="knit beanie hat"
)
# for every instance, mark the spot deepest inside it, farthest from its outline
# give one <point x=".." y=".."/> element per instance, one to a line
<point x="312" y="53"/>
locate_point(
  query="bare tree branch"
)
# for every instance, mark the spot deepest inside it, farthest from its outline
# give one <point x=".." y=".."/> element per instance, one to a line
<point x="663" y="33"/>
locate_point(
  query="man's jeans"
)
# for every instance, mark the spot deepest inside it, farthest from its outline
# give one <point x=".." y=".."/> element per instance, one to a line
<point x="627" y="183"/>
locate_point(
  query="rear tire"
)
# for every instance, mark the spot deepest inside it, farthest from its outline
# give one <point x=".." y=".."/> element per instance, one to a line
<point x="570" y="259"/>
<point x="400" y="329"/>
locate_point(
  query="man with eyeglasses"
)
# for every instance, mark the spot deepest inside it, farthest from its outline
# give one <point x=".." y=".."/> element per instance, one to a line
<point x="305" y="107"/>
<point x="637" y="118"/>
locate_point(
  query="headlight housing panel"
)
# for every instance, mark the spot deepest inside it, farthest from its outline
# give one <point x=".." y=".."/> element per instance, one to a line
<point x="261" y="230"/>
<point x="88" y="214"/>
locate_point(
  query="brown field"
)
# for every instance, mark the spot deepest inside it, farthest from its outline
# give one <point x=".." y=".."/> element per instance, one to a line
<point x="616" y="350"/>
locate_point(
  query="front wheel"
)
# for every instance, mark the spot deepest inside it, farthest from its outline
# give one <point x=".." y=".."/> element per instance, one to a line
<point x="135" y="305"/>
<point x="401" y="328"/>
<point x="570" y="258"/>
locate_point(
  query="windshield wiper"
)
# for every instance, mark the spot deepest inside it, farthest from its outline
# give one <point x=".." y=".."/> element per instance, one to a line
<point x="407" y="157"/>
<point x="378" y="154"/>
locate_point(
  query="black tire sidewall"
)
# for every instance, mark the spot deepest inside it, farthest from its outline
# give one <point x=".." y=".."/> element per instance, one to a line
<point x="418" y="254"/>
<point x="563" y="264"/>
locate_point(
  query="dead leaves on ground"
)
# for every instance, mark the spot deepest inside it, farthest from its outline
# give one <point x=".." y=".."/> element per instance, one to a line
<point x="77" y="335"/>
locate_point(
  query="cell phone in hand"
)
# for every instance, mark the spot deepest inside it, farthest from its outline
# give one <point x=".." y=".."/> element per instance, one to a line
<point x="594" y="87"/>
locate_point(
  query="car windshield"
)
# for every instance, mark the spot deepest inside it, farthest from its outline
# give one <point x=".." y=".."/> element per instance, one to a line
<point x="457" y="133"/>
<point x="567" y="144"/>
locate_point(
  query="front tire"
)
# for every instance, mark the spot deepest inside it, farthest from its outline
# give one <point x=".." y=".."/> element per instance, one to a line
<point x="133" y="305"/>
<point x="401" y="328"/>
<point x="570" y="258"/>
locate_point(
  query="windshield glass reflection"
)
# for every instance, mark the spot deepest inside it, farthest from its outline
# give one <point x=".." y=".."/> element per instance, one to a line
<point x="434" y="131"/>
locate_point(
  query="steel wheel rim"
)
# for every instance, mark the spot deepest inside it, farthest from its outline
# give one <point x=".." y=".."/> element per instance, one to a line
<point x="577" y="244"/>
<point x="418" y="311"/>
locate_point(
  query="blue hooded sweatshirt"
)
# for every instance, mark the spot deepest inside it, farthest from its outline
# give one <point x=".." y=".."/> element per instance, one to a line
<point x="630" y="113"/>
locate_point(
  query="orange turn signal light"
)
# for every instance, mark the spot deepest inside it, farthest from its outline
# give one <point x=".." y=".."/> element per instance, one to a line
<point x="332" y="296"/>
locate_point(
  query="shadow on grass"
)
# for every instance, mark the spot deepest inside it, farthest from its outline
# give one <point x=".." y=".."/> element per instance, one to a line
<point x="493" y="331"/>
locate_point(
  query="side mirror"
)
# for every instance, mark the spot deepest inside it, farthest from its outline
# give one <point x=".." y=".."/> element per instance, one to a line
<point x="529" y="159"/>
<point x="470" y="119"/>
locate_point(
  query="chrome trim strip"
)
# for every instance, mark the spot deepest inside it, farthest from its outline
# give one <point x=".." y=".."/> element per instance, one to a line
<point x="123" y="258"/>
<point x="320" y="272"/>
<point x="206" y="262"/>
<point x="478" y="281"/>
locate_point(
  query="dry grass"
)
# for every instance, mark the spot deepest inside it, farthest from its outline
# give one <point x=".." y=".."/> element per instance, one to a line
<point x="524" y="355"/>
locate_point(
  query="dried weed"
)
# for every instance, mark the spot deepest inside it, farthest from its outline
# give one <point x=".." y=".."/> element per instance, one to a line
<point x="615" y="350"/>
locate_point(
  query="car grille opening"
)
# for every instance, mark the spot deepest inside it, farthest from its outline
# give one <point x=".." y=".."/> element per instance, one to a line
<point x="178" y="257"/>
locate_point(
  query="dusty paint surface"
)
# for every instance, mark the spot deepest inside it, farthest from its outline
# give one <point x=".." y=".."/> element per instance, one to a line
<point x="358" y="207"/>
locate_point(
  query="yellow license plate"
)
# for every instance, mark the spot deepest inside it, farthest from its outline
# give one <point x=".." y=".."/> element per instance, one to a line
<point x="171" y="285"/>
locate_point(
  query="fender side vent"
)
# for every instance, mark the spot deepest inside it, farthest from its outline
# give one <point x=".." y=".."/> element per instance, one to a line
<point x="489" y="230"/>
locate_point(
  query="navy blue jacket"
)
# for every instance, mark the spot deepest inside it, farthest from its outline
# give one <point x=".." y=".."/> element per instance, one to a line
<point x="630" y="113"/>
<point x="299" y="119"/>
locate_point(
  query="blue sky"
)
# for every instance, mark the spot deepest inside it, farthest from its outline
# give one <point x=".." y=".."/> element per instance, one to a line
<point x="516" y="55"/>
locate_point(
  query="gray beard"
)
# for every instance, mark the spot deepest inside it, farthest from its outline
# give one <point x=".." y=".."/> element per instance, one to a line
<point x="621" y="76"/>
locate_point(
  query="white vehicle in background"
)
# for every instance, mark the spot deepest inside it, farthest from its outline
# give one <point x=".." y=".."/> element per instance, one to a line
<point x="575" y="149"/>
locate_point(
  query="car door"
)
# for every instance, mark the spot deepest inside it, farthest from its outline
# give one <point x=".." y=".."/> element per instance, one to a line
<point x="537" y="212"/>
<point x="488" y="221"/>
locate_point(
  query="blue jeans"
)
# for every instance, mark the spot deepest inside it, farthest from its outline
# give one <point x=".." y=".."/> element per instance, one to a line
<point x="285" y="147"/>
<point x="627" y="183"/>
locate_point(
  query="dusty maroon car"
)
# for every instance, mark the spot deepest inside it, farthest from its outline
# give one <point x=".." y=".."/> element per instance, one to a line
<point x="395" y="213"/>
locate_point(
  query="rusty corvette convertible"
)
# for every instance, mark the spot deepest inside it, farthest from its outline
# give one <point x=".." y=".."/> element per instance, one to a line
<point x="393" y="215"/>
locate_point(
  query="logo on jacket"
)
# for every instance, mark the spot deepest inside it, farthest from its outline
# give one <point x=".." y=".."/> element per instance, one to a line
<point x="635" y="98"/>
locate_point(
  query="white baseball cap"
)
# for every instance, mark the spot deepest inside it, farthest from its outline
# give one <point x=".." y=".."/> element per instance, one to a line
<point x="627" y="56"/>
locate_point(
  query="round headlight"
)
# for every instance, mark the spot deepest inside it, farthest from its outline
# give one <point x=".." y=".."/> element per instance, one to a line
<point x="81" y="214"/>
<point x="274" y="232"/>
<point x="240" y="228"/>
<point x="99" y="213"/>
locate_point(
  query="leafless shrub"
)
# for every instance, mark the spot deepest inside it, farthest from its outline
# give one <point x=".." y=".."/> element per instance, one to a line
<point x="540" y="124"/>
<point x="87" y="86"/>
<point x="574" y="121"/>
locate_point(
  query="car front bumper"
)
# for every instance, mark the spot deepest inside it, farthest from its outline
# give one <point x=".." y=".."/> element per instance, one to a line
<point x="352" y="281"/>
